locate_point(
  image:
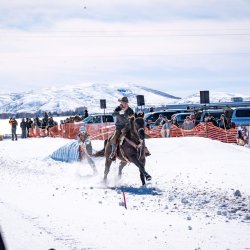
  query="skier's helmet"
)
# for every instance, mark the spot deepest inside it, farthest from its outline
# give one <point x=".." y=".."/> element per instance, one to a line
<point x="82" y="130"/>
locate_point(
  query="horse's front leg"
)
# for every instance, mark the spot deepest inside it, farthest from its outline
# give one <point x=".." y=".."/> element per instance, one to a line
<point x="142" y="176"/>
<point x="121" y="166"/>
<point x="143" y="173"/>
<point x="147" y="176"/>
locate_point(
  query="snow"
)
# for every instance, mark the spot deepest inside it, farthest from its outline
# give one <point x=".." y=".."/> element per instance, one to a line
<point x="189" y="204"/>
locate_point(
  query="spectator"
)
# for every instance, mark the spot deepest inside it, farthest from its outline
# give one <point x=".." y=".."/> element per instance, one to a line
<point x="165" y="130"/>
<point x="13" y="122"/>
<point x="149" y="124"/>
<point x="37" y="122"/>
<point x="210" y="118"/>
<point x="241" y="137"/>
<point x="44" y="124"/>
<point x="45" y="119"/>
<point x="188" y="124"/>
<point x="86" y="114"/>
<point x="224" y="122"/>
<point x="174" y="121"/>
<point x="193" y="119"/>
<point x="29" y="123"/>
<point x="23" y="126"/>
<point x="159" y="120"/>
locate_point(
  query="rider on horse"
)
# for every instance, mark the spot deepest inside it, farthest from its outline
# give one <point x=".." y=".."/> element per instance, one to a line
<point x="122" y="113"/>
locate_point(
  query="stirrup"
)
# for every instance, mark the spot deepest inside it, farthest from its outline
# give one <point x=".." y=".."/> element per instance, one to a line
<point x="112" y="156"/>
<point x="122" y="139"/>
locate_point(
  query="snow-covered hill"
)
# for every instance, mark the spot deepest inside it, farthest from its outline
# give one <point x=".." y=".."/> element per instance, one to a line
<point x="214" y="97"/>
<point x="75" y="96"/>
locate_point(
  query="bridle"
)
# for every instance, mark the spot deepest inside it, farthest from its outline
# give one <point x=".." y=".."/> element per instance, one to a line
<point x="139" y="129"/>
<point x="140" y="146"/>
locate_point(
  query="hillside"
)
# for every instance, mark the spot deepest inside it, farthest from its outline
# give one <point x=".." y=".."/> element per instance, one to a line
<point x="75" y="96"/>
<point x="69" y="98"/>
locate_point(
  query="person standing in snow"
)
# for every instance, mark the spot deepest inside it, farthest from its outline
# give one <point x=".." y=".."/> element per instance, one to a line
<point x="29" y="123"/>
<point x="166" y="126"/>
<point x="13" y="122"/>
<point x="45" y="119"/>
<point x="23" y="126"/>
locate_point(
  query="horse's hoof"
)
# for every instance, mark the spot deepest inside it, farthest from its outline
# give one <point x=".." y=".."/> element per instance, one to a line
<point x="148" y="178"/>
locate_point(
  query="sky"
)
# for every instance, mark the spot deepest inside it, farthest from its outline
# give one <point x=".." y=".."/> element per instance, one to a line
<point x="179" y="47"/>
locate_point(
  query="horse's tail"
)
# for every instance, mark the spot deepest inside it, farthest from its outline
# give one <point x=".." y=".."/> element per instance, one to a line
<point x="101" y="153"/>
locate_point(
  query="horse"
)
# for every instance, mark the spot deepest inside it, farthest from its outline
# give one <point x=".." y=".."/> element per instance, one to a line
<point x="130" y="149"/>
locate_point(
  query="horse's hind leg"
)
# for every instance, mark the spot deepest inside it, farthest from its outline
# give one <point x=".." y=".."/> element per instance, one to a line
<point x="107" y="168"/>
<point x="121" y="166"/>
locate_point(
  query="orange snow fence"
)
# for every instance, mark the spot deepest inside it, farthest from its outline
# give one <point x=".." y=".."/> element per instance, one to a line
<point x="71" y="130"/>
<point x="201" y="130"/>
<point x="103" y="131"/>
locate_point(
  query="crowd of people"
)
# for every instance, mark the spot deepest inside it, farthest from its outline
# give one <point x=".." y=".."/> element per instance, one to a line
<point x="26" y="124"/>
<point x="46" y="122"/>
<point x="166" y="124"/>
<point x="189" y="123"/>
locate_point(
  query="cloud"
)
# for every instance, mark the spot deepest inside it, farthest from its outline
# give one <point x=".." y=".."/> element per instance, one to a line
<point x="26" y="14"/>
<point x="175" y="43"/>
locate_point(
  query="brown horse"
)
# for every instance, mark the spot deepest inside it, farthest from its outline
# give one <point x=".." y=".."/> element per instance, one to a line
<point x="130" y="149"/>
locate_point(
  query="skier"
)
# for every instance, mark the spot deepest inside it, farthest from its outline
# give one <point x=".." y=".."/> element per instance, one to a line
<point x="78" y="150"/>
<point x="85" y="147"/>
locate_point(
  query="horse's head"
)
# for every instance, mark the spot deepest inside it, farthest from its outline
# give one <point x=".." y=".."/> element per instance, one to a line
<point x="140" y="127"/>
<point x="137" y="126"/>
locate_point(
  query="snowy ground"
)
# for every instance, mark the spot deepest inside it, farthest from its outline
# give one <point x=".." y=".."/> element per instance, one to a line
<point x="191" y="202"/>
